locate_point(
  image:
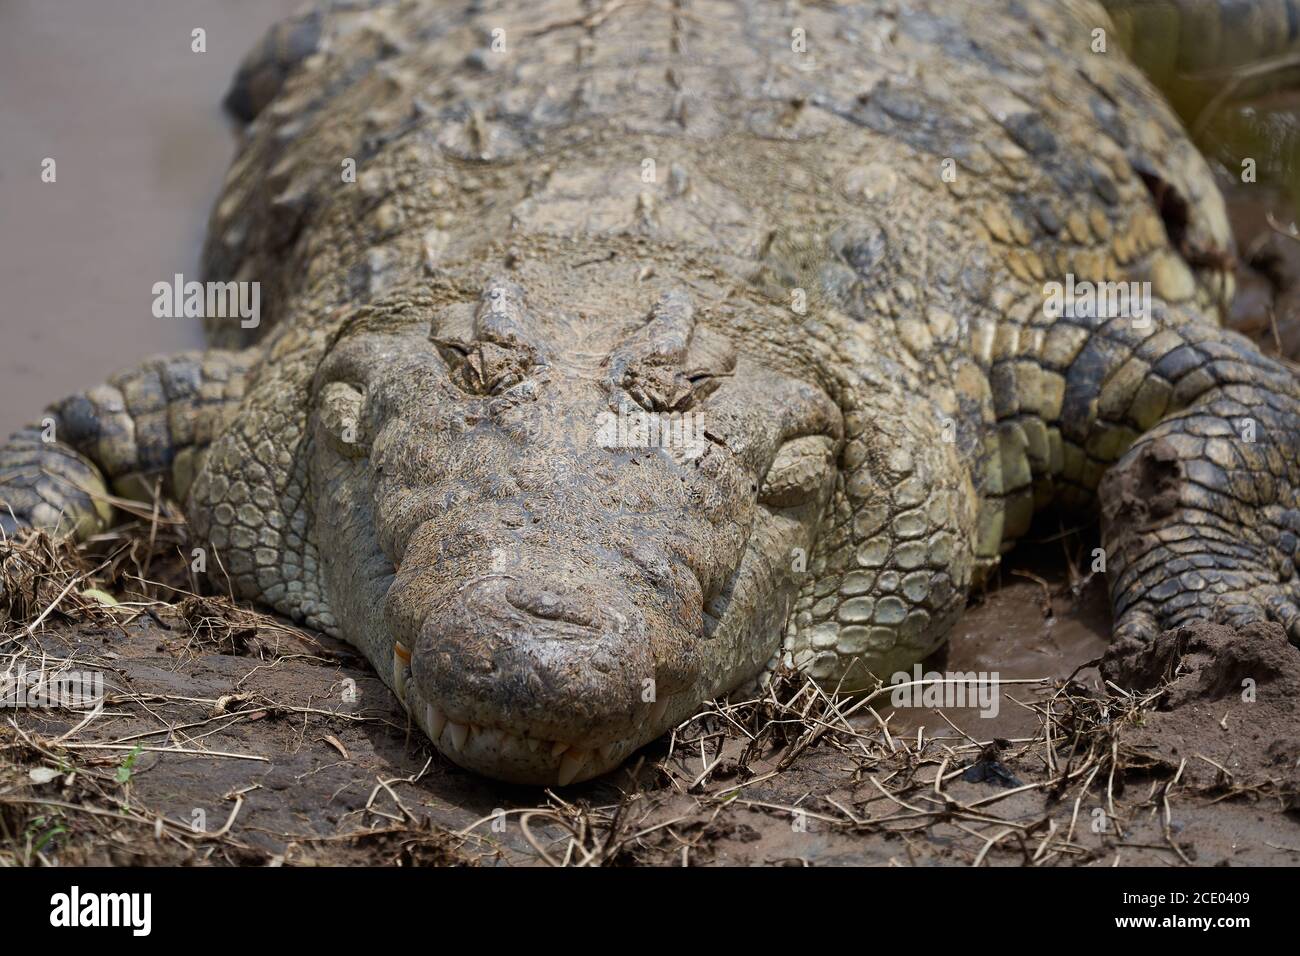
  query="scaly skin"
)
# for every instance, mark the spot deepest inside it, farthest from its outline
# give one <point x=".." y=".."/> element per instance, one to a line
<point x="418" y="462"/>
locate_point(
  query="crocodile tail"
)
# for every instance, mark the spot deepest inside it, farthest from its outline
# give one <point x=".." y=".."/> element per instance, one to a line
<point x="1172" y="39"/>
<point x="1219" y="63"/>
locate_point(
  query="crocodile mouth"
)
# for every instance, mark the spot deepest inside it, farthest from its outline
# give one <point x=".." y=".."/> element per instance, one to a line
<point x="518" y="756"/>
<point x="549" y="672"/>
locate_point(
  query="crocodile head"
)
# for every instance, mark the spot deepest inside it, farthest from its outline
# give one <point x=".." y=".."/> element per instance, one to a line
<point x="559" y="529"/>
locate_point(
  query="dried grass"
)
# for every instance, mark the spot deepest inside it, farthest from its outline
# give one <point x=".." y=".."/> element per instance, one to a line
<point x="718" y="766"/>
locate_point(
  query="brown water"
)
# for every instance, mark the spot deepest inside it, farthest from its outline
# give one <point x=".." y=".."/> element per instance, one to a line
<point x="113" y="93"/>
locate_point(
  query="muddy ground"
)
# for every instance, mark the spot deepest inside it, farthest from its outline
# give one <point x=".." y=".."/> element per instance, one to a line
<point x="228" y="737"/>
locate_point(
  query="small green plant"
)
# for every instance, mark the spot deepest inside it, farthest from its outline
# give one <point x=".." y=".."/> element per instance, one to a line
<point x="40" y="831"/>
<point x="124" y="771"/>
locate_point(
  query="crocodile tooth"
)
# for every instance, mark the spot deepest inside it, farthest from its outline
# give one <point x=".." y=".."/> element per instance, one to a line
<point x="457" y="734"/>
<point x="558" y="748"/>
<point x="571" y="764"/>
<point x="533" y="743"/>
<point x="399" y="679"/>
<point x="658" y="710"/>
<point x="434" y="721"/>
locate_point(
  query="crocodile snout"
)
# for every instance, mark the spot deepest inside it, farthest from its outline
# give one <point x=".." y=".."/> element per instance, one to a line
<point x="546" y="672"/>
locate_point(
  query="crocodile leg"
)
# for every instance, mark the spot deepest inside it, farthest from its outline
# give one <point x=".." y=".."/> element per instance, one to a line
<point x="1200" y="516"/>
<point x="153" y="421"/>
<point x="893" y="566"/>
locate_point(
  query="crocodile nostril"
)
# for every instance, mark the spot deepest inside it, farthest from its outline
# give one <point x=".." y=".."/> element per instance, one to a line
<point x="544" y="604"/>
<point x="550" y="606"/>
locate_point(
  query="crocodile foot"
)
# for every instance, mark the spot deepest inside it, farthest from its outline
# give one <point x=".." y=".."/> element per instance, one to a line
<point x="1193" y="538"/>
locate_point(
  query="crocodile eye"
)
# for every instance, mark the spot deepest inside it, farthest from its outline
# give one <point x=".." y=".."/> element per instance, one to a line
<point x="484" y="368"/>
<point x="340" y="418"/>
<point x="658" y="389"/>
<point x="800" y="470"/>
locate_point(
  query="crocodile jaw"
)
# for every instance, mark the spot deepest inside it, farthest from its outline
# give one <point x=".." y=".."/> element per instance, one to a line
<point x="530" y="759"/>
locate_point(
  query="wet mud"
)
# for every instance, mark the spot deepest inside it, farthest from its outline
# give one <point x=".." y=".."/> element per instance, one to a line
<point x="228" y="737"/>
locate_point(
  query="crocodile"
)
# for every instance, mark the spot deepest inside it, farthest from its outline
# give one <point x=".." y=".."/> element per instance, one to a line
<point x="613" y="355"/>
